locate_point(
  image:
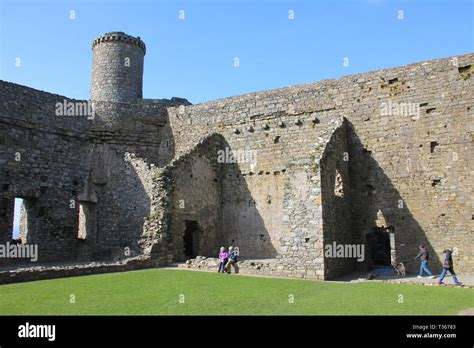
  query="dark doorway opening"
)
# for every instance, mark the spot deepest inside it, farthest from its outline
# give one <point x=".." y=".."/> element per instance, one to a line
<point x="378" y="244"/>
<point x="191" y="239"/>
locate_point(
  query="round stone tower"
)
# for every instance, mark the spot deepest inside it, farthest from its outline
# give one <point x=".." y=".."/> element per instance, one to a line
<point x="117" y="67"/>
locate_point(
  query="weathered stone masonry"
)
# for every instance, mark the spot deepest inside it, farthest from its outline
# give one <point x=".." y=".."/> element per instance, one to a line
<point x="335" y="160"/>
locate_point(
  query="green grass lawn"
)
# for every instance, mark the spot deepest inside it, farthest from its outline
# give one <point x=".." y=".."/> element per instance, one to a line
<point x="158" y="291"/>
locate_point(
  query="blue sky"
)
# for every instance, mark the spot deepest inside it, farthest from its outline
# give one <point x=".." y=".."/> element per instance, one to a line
<point x="194" y="57"/>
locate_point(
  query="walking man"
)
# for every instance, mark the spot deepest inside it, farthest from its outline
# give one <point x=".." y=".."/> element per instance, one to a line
<point x="448" y="266"/>
<point x="424" y="257"/>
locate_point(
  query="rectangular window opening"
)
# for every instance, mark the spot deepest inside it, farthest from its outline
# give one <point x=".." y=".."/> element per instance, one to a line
<point x="86" y="221"/>
<point x="20" y="222"/>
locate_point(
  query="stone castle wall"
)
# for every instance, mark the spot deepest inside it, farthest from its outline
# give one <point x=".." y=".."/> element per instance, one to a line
<point x="336" y="203"/>
<point x="61" y="165"/>
<point x="197" y="199"/>
<point x="42" y="163"/>
<point x="407" y="168"/>
<point x="323" y="162"/>
<point x="271" y="204"/>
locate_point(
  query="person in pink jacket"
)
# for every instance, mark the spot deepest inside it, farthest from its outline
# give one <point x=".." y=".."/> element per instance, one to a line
<point x="223" y="258"/>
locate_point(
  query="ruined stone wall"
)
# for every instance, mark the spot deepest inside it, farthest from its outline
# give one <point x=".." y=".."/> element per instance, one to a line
<point x="410" y="170"/>
<point x="271" y="204"/>
<point x="252" y="210"/>
<point x="336" y="204"/>
<point x="6" y="217"/>
<point x="41" y="161"/>
<point x="399" y="175"/>
<point x="197" y="199"/>
<point x="125" y="152"/>
<point x="100" y="165"/>
<point x="408" y="136"/>
<point x="120" y="180"/>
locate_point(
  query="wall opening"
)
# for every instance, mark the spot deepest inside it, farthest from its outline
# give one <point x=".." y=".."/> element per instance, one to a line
<point x="191" y="239"/>
<point x="378" y="247"/>
<point x="19" y="220"/>
<point x="82" y="229"/>
<point x="338" y="185"/>
<point x="433" y="145"/>
<point x="435" y="182"/>
<point x="465" y="71"/>
<point x="86" y="221"/>
<point x="392" y="81"/>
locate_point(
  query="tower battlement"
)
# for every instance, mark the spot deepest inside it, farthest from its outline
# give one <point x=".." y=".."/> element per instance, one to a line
<point x="117" y="68"/>
<point x="120" y="36"/>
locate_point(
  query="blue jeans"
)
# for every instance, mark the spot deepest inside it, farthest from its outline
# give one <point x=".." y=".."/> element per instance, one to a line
<point x="443" y="274"/>
<point x="222" y="265"/>
<point x="424" y="267"/>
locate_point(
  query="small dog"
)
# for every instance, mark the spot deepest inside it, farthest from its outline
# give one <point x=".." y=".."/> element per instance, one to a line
<point x="400" y="269"/>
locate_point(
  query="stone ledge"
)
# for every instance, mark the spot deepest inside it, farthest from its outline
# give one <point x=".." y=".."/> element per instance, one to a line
<point x="74" y="270"/>
<point x="265" y="267"/>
